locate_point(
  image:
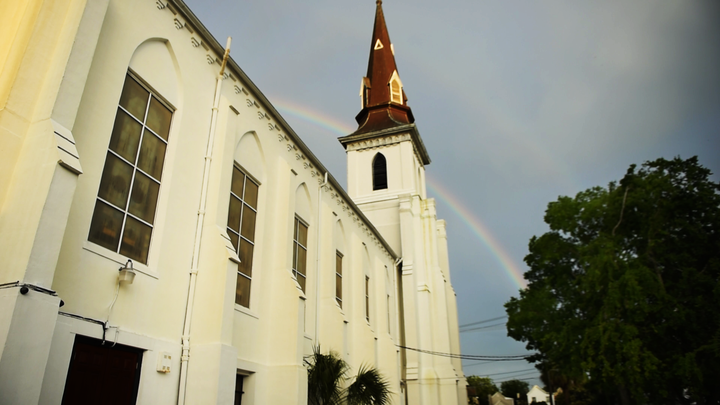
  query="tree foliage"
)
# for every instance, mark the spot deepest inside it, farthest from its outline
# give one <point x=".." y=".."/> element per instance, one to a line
<point x="512" y="388"/>
<point x="484" y="386"/>
<point x="623" y="296"/>
<point x="327" y="377"/>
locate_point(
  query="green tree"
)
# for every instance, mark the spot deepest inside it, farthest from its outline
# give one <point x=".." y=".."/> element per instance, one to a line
<point x="327" y="376"/>
<point x="484" y="386"/>
<point x="623" y="295"/>
<point x="512" y="388"/>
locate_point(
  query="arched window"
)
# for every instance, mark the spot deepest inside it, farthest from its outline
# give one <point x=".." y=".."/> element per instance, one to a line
<point x="395" y="84"/>
<point x="379" y="169"/>
<point x="395" y="92"/>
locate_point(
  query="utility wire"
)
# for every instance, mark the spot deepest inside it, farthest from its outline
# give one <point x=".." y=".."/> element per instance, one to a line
<point x="476" y="364"/>
<point x="483" y="321"/>
<point x="511" y="372"/>
<point x="483" y="327"/>
<point x="519" y="379"/>
<point x="469" y="356"/>
<point x="514" y="377"/>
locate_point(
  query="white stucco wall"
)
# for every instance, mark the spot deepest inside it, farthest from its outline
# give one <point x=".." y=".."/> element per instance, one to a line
<point x="266" y="342"/>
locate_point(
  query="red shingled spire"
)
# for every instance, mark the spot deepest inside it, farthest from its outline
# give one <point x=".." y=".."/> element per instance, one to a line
<point x="383" y="98"/>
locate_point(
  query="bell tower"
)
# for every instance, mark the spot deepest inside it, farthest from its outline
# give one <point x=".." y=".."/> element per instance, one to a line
<point x="386" y="155"/>
<point x="386" y="161"/>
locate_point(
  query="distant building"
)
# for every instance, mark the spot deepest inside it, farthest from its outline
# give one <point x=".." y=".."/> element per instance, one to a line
<point x="499" y="399"/>
<point x="537" y="394"/>
<point x="167" y="238"/>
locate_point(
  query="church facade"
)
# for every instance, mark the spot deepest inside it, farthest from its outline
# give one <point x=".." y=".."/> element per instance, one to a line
<point x="167" y="237"/>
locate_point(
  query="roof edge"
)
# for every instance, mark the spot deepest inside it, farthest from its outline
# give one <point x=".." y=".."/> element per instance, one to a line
<point x="219" y="49"/>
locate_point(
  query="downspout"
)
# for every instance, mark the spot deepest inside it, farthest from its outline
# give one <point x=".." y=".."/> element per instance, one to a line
<point x="400" y="325"/>
<point x="317" y="264"/>
<point x="185" y="359"/>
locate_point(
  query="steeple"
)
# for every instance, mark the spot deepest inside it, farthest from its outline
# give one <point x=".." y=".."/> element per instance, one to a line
<point x="384" y="104"/>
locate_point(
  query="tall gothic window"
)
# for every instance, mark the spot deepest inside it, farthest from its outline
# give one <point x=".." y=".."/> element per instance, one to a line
<point x="338" y="277"/>
<point x="300" y="252"/>
<point x="125" y="208"/>
<point x="379" y="171"/>
<point x="242" y="214"/>
<point x="367" y="298"/>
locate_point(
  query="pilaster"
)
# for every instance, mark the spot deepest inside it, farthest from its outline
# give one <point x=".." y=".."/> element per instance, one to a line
<point x="50" y="44"/>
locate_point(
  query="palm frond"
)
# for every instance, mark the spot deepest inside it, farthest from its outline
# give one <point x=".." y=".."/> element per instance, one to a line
<point x="326" y="375"/>
<point x="368" y="388"/>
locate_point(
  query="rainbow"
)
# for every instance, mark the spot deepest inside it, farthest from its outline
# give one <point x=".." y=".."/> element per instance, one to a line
<point x="313" y="117"/>
<point x="476" y="226"/>
<point x="480" y="230"/>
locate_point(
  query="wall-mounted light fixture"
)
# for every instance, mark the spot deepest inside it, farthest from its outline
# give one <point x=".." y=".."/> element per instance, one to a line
<point x="127" y="273"/>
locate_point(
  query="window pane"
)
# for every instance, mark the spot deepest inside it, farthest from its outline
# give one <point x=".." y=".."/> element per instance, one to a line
<point x="301" y="281"/>
<point x="152" y="155"/>
<point x="251" y="193"/>
<point x="144" y="197"/>
<point x="238" y="178"/>
<point x="302" y="234"/>
<point x="248" y="223"/>
<point x="295" y="250"/>
<point x="159" y="118"/>
<point x="234" y="214"/>
<point x="134" y="98"/>
<point x="125" y="136"/>
<point x="242" y="291"/>
<point x="338" y="264"/>
<point x="115" y="182"/>
<point x="234" y="238"/>
<point x="105" y="226"/>
<point x="301" y="257"/>
<point x="135" y="240"/>
<point x="338" y="287"/>
<point x="246" y="257"/>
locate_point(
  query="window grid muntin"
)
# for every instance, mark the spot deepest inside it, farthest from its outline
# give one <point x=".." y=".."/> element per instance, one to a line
<point x="296" y="246"/>
<point x="125" y="210"/>
<point x="240" y="237"/>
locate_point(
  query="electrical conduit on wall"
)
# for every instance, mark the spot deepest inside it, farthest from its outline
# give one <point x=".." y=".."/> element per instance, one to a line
<point x="185" y="359"/>
<point x="317" y="262"/>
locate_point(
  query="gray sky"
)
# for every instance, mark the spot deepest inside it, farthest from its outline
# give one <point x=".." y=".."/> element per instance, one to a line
<point x="517" y="102"/>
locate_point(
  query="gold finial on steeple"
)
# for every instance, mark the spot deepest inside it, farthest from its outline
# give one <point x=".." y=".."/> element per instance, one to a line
<point x="378" y="2"/>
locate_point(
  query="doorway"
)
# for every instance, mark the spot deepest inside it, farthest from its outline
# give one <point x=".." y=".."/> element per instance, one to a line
<point x="102" y="373"/>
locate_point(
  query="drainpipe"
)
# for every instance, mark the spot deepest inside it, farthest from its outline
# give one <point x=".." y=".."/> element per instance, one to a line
<point x="185" y="359"/>
<point x="400" y="332"/>
<point x="317" y="264"/>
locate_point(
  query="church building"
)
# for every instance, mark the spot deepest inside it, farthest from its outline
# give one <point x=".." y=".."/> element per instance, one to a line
<point x="167" y="238"/>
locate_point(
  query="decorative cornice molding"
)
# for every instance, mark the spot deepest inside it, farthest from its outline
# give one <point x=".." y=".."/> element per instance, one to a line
<point x="378" y="142"/>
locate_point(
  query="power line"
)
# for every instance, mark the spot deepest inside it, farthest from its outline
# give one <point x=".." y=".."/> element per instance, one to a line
<point x="469" y="356"/>
<point x="476" y="364"/>
<point x="514" y="377"/>
<point x="483" y="327"/>
<point x="483" y="321"/>
<point x="519" y="379"/>
<point x="510" y="372"/>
